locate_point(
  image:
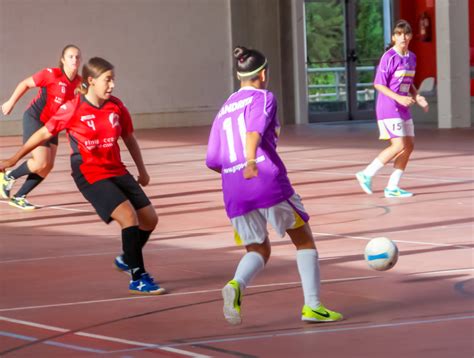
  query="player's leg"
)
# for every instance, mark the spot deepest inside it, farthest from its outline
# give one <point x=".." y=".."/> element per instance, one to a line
<point x="389" y="129"/>
<point x="251" y="230"/>
<point x="147" y="218"/>
<point x="308" y="267"/>
<point x="401" y="161"/>
<point x="39" y="164"/>
<point x="290" y="216"/>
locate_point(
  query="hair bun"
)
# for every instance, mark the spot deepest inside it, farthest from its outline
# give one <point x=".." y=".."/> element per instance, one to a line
<point x="241" y="53"/>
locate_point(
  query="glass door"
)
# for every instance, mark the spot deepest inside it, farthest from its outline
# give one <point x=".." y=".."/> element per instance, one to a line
<point x="344" y="40"/>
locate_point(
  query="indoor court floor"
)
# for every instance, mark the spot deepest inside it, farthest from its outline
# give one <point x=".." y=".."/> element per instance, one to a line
<point x="62" y="297"/>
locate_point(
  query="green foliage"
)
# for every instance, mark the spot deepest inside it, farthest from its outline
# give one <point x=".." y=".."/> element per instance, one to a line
<point x="325" y="39"/>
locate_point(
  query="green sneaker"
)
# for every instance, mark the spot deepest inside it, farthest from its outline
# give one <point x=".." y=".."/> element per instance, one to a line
<point x="365" y="182"/>
<point x="320" y="314"/>
<point x="397" y="193"/>
<point x="232" y="295"/>
<point x="20" y="202"/>
<point x="6" y="184"/>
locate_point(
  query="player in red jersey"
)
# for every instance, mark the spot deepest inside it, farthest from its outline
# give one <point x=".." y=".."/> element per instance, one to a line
<point x="57" y="85"/>
<point x="94" y="122"/>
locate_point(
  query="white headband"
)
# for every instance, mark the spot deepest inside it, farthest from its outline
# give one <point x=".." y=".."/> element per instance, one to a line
<point x="254" y="72"/>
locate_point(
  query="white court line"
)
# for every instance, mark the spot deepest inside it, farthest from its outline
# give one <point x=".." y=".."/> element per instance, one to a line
<point x="403" y="241"/>
<point x="443" y="271"/>
<point x="57" y="207"/>
<point x="176" y="294"/>
<point x="310" y="331"/>
<point x="365" y="163"/>
<point x="102" y="338"/>
<point x="114" y="253"/>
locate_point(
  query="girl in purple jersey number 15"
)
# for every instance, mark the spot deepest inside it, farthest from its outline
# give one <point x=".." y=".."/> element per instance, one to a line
<point x="396" y="93"/>
<point x="256" y="188"/>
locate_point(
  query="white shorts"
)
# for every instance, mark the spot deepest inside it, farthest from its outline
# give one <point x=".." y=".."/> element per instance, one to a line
<point x="251" y="228"/>
<point x="395" y="128"/>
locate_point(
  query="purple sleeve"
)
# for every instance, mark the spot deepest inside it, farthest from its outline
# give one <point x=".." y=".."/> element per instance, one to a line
<point x="261" y="112"/>
<point x="382" y="77"/>
<point x="213" y="157"/>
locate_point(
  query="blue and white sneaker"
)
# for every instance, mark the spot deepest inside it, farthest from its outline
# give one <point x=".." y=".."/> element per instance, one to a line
<point x="365" y="182"/>
<point x="145" y="286"/>
<point x="397" y="193"/>
<point x="121" y="265"/>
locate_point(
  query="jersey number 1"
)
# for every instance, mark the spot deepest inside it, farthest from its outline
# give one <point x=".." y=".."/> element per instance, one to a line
<point x="229" y="133"/>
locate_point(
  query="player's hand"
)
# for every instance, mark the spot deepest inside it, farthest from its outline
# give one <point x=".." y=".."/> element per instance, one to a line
<point x="7" y="107"/>
<point x="406" y="101"/>
<point x="423" y="103"/>
<point x="143" y="179"/>
<point x="4" y="164"/>
<point x="251" y="171"/>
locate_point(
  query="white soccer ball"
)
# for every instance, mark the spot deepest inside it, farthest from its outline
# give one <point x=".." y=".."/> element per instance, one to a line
<point x="381" y="254"/>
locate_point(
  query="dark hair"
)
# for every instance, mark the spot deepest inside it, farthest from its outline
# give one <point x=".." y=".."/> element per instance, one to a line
<point x="93" y="68"/>
<point x="400" y="26"/>
<point x="63" y="52"/>
<point x="249" y="61"/>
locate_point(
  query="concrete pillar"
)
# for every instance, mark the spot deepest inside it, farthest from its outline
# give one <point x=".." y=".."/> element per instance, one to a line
<point x="452" y="48"/>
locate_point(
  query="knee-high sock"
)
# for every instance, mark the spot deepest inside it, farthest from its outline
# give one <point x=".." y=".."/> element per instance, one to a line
<point x="394" y="179"/>
<point x="373" y="167"/>
<point x="20" y="171"/>
<point x="144" y="236"/>
<point x="308" y="267"/>
<point x="249" y="266"/>
<point x="31" y="182"/>
<point x="133" y="251"/>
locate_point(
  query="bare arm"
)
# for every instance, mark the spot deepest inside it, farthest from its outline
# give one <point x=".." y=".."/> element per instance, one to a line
<point x="403" y="100"/>
<point x="40" y="136"/>
<point x="19" y="91"/>
<point x="132" y="146"/>
<point x="420" y="100"/>
<point x="252" y="142"/>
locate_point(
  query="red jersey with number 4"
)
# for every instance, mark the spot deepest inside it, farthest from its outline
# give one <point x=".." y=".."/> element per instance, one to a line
<point x="56" y="88"/>
<point x="93" y="134"/>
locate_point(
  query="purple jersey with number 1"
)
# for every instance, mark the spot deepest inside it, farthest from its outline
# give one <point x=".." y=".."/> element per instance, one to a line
<point x="396" y="72"/>
<point x="248" y="110"/>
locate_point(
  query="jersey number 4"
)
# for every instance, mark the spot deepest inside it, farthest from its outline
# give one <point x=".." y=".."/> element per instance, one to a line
<point x="229" y="133"/>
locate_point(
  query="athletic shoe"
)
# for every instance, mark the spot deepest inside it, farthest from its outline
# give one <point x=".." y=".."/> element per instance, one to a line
<point x="397" y="193"/>
<point x="365" y="182"/>
<point x="145" y="286"/>
<point x="232" y="295"/>
<point x="6" y="184"/>
<point x="121" y="265"/>
<point x="20" y="202"/>
<point x="320" y="314"/>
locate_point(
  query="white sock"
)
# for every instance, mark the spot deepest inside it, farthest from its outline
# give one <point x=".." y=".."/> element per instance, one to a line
<point x="249" y="265"/>
<point x="394" y="179"/>
<point x="373" y="167"/>
<point x="308" y="267"/>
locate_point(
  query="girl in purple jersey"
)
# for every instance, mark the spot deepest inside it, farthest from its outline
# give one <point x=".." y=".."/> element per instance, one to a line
<point x="396" y="93"/>
<point x="256" y="188"/>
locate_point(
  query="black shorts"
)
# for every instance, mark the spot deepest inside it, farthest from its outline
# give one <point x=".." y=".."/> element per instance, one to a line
<point x="30" y="125"/>
<point x="106" y="194"/>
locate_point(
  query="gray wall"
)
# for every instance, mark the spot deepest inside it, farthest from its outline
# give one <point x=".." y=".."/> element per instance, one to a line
<point x="172" y="57"/>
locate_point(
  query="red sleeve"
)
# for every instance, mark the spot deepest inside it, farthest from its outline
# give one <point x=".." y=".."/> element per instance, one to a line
<point x="60" y="119"/>
<point x="43" y="77"/>
<point x="125" y="120"/>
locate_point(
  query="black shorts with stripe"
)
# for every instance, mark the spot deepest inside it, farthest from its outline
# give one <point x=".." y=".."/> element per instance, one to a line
<point x="31" y="123"/>
<point x="107" y="194"/>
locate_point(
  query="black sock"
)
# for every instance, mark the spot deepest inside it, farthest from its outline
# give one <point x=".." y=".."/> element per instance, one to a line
<point x="144" y="236"/>
<point x="20" y="171"/>
<point x="31" y="182"/>
<point x="133" y="251"/>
